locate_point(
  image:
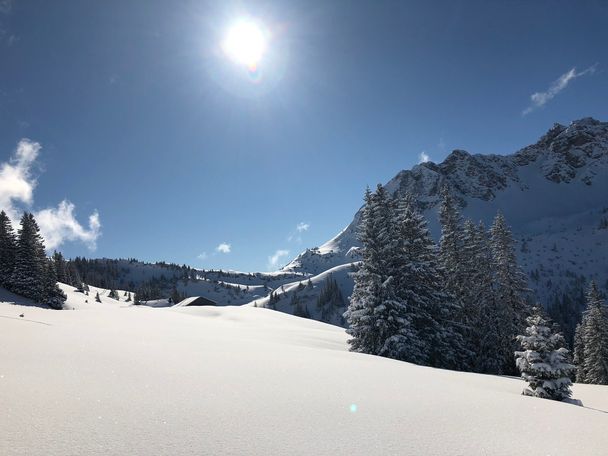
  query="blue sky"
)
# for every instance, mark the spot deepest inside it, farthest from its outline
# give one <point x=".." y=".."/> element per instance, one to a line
<point x="134" y="115"/>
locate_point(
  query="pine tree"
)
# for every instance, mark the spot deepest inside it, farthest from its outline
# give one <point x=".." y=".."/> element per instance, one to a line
<point x="510" y="288"/>
<point x="451" y="244"/>
<point x="368" y="327"/>
<point x="481" y="315"/>
<point x="97" y="298"/>
<point x="330" y="300"/>
<point x="299" y="309"/>
<point x="595" y="338"/>
<point x="60" y="267"/>
<point x="544" y="360"/>
<point x="28" y="277"/>
<point x="54" y="297"/>
<point x="579" y="351"/>
<point x="8" y="248"/>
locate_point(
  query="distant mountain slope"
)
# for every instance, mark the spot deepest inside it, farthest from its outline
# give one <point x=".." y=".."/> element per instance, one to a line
<point x="554" y="194"/>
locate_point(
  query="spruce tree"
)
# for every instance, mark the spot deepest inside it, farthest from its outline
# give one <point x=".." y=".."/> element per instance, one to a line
<point x="451" y="244"/>
<point x="595" y="338"/>
<point x="97" y="298"/>
<point x="8" y="248"/>
<point x="544" y="360"/>
<point x="28" y="277"/>
<point x="330" y="300"/>
<point x="54" y="297"/>
<point x="484" y="328"/>
<point x="510" y="288"/>
<point x="366" y="309"/>
<point x="579" y="351"/>
<point x="60" y="267"/>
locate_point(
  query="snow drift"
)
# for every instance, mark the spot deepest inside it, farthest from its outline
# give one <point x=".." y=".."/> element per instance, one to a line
<point x="113" y="379"/>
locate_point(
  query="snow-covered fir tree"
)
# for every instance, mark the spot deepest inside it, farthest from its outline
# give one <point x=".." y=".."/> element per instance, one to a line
<point x="61" y="268"/>
<point x="591" y="340"/>
<point x="543" y="361"/>
<point x="28" y="278"/>
<point x="511" y="289"/>
<point x="481" y="314"/>
<point x="8" y="248"/>
<point x="370" y="302"/>
<point x="54" y="297"/>
<point x="431" y="334"/>
<point x="579" y="352"/>
<point x="451" y="244"/>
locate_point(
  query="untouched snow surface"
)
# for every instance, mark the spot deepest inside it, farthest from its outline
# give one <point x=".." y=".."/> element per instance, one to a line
<point x="112" y="379"/>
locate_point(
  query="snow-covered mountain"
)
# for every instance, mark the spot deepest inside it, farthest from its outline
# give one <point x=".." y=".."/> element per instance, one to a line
<point x="554" y="194"/>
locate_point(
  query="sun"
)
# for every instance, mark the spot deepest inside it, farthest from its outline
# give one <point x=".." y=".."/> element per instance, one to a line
<point x="245" y="43"/>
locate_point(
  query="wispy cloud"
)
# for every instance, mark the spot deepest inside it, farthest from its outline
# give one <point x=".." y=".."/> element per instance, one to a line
<point x="296" y="234"/>
<point x="202" y="256"/>
<point x="6" y="6"/>
<point x="273" y="260"/>
<point x="57" y="224"/>
<point x="5" y="36"/>
<point x="423" y="157"/>
<point x="441" y="144"/>
<point x="539" y="99"/>
<point x="224" y="248"/>
<point x="302" y="226"/>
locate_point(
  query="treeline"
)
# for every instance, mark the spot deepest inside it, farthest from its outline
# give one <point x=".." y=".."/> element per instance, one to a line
<point x="116" y="273"/>
<point x="24" y="267"/>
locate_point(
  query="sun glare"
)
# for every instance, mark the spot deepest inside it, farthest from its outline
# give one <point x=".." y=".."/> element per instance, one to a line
<point x="245" y="43"/>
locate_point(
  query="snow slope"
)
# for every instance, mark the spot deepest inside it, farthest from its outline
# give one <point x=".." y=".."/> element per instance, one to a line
<point x="113" y="380"/>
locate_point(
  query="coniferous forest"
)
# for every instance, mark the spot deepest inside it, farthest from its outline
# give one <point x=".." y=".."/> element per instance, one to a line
<point x="463" y="303"/>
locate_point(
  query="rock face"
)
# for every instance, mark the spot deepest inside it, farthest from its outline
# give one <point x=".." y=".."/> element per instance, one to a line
<point x="554" y="194"/>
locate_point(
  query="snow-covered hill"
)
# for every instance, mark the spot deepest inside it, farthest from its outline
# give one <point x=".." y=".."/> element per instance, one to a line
<point x="553" y="193"/>
<point x="110" y="379"/>
<point x="223" y="287"/>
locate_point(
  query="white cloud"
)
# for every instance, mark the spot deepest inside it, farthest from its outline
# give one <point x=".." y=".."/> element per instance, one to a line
<point x="202" y="256"/>
<point x="296" y="235"/>
<point x="273" y="260"/>
<point x="57" y="225"/>
<point x="16" y="182"/>
<point x="302" y="226"/>
<point x="539" y="99"/>
<point x="423" y="157"/>
<point x="224" y="248"/>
